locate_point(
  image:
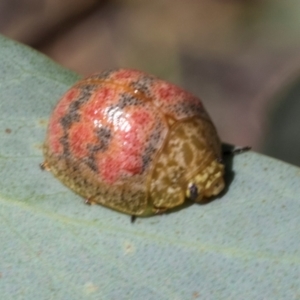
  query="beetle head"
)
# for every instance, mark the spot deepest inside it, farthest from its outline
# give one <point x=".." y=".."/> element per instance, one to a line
<point x="206" y="183"/>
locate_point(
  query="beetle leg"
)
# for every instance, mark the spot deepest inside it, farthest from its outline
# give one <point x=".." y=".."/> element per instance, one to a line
<point x="241" y="150"/>
<point x="89" y="201"/>
<point x="44" y="166"/>
<point x="159" y="210"/>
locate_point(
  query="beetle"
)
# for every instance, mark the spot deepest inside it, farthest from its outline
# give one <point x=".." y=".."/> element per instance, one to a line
<point x="134" y="143"/>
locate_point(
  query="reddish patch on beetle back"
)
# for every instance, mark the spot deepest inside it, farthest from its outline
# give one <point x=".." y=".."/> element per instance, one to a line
<point x="127" y="145"/>
<point x="168" y="92"/>
<point x="141" y="118"/>
<point x="80" y="136"/>
<point x="109" y="169"/>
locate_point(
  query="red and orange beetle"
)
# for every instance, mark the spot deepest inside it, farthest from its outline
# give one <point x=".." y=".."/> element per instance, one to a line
<point x="134" y="143"/>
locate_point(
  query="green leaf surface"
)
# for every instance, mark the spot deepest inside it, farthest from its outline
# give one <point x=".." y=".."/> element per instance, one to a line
<point x="243" y="245"/>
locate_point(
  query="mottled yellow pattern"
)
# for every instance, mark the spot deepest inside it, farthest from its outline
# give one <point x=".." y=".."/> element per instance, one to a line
<point x="190" y="155"/>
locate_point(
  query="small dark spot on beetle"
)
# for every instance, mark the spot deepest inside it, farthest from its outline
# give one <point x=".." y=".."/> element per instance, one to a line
<point x="193" y="192"/>
<point x="152" y="146"/>
<point x="91" y="163"/>
<point x="73" y="111"/>
<point x="146" y="157"/>
<point x="104" y="135"/>
<point x="65" y="143"/>
<point x="66" y="121"/>
<point x="128" y="100"/>
<point x="8" y="130"/>
<point x="143" y="85"/>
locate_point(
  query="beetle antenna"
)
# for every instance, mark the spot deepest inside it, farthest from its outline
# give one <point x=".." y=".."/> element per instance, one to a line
<point x="237" y="150"/>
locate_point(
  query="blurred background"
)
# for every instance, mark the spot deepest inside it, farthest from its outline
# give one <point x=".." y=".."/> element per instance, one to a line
<point x="241" y="57"/>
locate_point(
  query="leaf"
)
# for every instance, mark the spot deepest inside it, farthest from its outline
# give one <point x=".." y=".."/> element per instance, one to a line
<point x="243" y="245"/>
